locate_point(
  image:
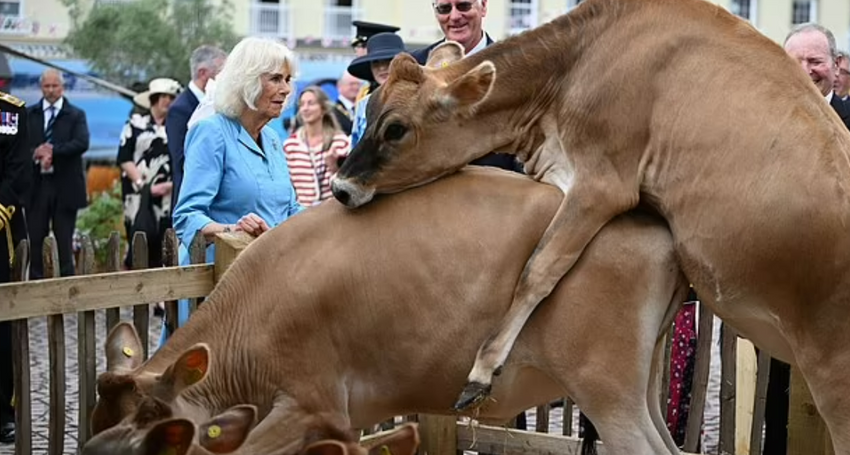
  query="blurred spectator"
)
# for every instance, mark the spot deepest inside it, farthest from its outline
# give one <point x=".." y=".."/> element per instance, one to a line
<point x="205" y="63"/>
<point x="842" y="81"/>
<point x="58" y="136"/>
<point x="146" y="169"/>
<point x="347" y="86"/>
<point x="364" y="31"/>
<point x="315" y="150"/>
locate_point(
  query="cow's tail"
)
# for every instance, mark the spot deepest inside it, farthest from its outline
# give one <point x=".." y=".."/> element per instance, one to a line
<point x="589" y="437"/>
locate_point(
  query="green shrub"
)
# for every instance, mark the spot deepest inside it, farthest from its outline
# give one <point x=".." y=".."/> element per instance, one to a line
<point x="104" y="215"/>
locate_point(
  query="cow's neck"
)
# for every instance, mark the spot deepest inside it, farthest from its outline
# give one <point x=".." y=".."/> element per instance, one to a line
<point x="528" y="91"/>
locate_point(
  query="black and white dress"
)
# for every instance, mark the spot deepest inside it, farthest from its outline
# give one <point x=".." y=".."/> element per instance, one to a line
<point x="145" y="144"/>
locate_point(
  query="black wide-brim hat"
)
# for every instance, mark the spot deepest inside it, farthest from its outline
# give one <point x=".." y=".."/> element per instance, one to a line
<point x="383" y="46"/>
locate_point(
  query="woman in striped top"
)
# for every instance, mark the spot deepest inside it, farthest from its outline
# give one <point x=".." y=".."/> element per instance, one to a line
<point x="315" y="150"/>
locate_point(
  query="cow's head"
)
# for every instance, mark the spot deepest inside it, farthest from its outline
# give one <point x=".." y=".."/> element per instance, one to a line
<point x="123" y="391"/>
<point x="223" y="433"/>
<point x="402" y="441"/>
<point x="419" y="126"/>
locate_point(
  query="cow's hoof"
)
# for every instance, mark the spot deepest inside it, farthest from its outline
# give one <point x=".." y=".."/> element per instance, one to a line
<point x="473" y="394"/>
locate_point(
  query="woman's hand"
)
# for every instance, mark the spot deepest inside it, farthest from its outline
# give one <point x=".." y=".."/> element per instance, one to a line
<point x="161" y="189"/>
<point x="252" y="224"/>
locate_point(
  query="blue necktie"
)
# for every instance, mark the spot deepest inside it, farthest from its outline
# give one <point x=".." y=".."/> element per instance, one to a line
<point x="48" y="131"/>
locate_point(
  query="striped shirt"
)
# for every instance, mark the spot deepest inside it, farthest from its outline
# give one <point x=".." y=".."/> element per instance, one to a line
<point x="308" y="168"/>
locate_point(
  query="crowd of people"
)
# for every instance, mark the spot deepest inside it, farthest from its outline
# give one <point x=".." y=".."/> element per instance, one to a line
<point x="204" y="159"/>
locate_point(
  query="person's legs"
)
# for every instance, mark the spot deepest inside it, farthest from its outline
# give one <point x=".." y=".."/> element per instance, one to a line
<point x="64" y="220"/>
<point x="38" y="224"/>
<point x="7" y="378"/>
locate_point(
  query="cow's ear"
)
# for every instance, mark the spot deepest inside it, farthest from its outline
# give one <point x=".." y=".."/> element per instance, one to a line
<point x="465" y="93"/>
<point x="404" y="67"/>
<point x="327" y="447"/>
<point x="227" y="431"/>
<point x="191" y="368"/>
<point x="123" y="349"/>
<point x="403" y="441"/>
<point x="444" y="55"/>
<point x="170" y="436"/>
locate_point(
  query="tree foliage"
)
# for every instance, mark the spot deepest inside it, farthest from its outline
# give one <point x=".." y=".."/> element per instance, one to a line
<point x="139" y="40"/>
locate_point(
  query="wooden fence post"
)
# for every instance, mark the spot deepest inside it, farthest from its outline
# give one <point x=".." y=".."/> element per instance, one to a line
<point x="86" y="352"/>
<point x="197" y="255"/>
<point x="56" y="355"/>
<point x="113" y="264"/>
<point x="807" y="433"/>
<point x="228" y="245"/>
<point x="567" y="429"/>
<point x="170" y="258"/>
<point x="762" y="380"/>
<point x="21" y="362"/>
<point x="438" y="434"/>
<point x="141" y="313"/>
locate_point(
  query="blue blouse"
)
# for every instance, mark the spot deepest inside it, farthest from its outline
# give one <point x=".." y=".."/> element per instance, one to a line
<point x="228" y="175"/>
<point x="359" y="126"/>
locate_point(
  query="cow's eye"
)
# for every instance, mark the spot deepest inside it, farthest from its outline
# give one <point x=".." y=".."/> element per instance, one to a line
<point x="394" y="132"/>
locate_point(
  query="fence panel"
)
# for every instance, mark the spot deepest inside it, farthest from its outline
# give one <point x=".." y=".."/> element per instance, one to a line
<point x="86" y="336"/>
<point x="170" y="258"/>
<point x="21" y="362"/>
<point x="56" y="354"/>
<point x="113" y="264"/>
<point x="700" y="381"/>
<point x="141" y="313"/>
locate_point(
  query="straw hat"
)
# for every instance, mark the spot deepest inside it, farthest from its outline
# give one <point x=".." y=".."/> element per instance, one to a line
<point x="159" y="85"/>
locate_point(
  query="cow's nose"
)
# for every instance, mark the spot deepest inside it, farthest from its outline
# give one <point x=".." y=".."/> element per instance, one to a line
<point x="340" y="193"/>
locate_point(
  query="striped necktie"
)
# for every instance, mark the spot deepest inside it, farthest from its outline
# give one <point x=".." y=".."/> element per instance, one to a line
<point x="48" y="130"/>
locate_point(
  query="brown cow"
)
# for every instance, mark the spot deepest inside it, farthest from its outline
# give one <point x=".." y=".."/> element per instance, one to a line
<point x="675" y="104"/>
<point x="354" y="317"/>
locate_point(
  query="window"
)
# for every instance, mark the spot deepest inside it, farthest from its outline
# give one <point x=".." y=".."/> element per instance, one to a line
<point x="338" y="17"/>
<point x="804" y="11"/>
<point x="10" y="8"/>
<point x="572" y="4"/>
<point x="271" y="18"/>
<point x="523" y="15"/>
<point x="745" y="9"/>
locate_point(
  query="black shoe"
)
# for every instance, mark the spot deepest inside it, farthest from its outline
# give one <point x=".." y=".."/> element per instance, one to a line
<point x="7" y="433"/>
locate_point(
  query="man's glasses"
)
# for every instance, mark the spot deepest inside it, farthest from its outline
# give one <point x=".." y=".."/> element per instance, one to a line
<point x="446" y="8"/>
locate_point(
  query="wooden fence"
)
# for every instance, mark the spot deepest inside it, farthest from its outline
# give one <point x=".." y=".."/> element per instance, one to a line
<point x="742" y="395"/>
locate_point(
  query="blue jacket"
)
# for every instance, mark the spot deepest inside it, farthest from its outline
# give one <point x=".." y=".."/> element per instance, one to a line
<point x="175" y="129"/>
<point x="228" y="175"/>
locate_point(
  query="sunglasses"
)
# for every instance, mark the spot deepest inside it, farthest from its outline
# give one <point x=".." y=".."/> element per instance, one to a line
<point x="446" y="8"/>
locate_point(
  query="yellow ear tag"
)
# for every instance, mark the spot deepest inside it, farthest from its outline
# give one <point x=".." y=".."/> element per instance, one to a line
<point x="214" y="431"/>
<point x="127" y="351"/>
<point x="444" y="64"/>
<point x="385" y="450"/>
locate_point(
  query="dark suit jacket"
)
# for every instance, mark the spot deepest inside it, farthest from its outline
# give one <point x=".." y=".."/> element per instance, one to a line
<point x="176" y="125"/>
<point x="70" y="141"/>
<point x="842" y="109"/>
<point x="495" y="160"/>
<point x="342" y="117"/>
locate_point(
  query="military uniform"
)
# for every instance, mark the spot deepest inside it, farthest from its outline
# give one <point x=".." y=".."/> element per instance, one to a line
<point x="15" y="178"/>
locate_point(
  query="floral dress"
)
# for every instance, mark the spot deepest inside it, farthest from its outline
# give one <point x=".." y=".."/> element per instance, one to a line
<point x="145" y="144"/>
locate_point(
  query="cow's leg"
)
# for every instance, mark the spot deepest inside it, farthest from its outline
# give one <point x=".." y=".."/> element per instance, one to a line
<point x="655" y="378"/>
<point x="585" y="209"/>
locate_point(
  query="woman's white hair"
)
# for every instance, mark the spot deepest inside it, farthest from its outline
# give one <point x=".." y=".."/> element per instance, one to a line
<point x="239" y="84"/>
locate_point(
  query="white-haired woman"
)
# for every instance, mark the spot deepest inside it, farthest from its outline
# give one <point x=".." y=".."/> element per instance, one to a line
<point x="235" y="178"/>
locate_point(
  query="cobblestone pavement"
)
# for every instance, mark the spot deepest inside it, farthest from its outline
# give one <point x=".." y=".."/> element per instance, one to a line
<point x="40" y="376"/>
<point x="40" y="381"/>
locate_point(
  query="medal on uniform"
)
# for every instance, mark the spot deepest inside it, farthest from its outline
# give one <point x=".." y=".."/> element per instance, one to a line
<point x="8" y="123"/>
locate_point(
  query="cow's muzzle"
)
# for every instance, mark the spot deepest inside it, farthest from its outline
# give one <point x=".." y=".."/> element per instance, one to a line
<point x="351" y="194"/>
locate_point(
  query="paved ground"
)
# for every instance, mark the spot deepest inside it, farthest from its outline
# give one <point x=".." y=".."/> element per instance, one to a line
<point x="40" y="378"/>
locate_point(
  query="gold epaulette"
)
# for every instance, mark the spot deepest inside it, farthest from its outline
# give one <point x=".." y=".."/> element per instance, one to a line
<point x="13" y="100"/>
<point x="362" y="93"/>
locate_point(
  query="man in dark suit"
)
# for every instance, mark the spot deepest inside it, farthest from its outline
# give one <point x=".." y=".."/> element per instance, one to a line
<point x="462" y="21"/>
<point x="347" y="86"/>
<point x="58" y="137"/>
<point x="206" y="62"/>
<point x="15" y="181"/>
